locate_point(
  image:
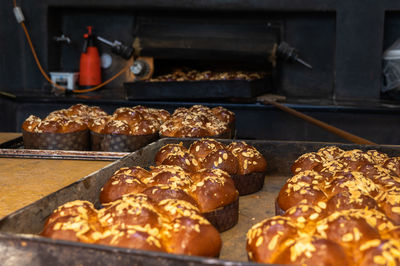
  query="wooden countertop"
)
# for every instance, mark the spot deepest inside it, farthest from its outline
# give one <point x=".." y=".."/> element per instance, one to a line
<point x="23" y="181"/>
<point x="6" y="136"/>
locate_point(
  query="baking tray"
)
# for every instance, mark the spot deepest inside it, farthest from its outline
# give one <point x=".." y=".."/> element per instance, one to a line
<point x="19" y="246"/>
<point x="15" y="149"/>
<point x="180" y="90"/>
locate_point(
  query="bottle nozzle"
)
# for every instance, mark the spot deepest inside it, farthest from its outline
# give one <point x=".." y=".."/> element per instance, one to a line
<point x="301" y="61"/>
<point x="290" y="54"/>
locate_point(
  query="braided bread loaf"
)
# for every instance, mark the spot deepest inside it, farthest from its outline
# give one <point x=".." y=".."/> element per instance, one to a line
<point x="136" y="221"/>
<point x="73" y="119"/>
<point x="339" y="208"/>
<point x="199" y="121"/>
<point x="243" y="162"/>
<point x="209" y="190"/>
<point x="138" y="120"/>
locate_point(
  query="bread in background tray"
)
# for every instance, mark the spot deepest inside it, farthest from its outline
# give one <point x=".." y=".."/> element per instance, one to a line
<point x="199" y="121"/>
<point x="128" y="129"/>
<point x="65" y="129"/>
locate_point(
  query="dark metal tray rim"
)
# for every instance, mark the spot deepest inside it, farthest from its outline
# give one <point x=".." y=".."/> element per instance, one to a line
<point x="118" y="250"/>
<point x="198" y="81"/>
<point x="13" y="149"/>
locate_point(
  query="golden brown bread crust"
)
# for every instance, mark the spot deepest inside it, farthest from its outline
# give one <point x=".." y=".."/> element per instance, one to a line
<point x="303" y="188"/>
<point x="201" y="148"/>
<point x="307" y="161"/>
<point x="131" y="209"/>
<point x="235" y="158"/>
<point x="221" y="159"/>
<point x="119" y="185"/>
<point x="74" y="208"/>
<point x="266" y="239"/>
<point x="167" y="150"/>
<point x="208" y="189"/>
<point x="355" y="159"/>
<point x="97" y="124"/>
<point x="347" y="229"/>
<point x="196" y="121"/>
<point x="393" y="164"/>
<point x="352" y="182"/>
<point x="161" y="192"/>
<point x="347" y="200"/>
<point x="136" y="237"/>
<point x="213" y="189"/>
<point x="311" y="250"/>
<point x="249" y="158"/>
<point x="75" y="118"/>
<point x="136" y="121"/>
<point x="74" y="221"/>
<point x="69" y="228"/>
<point x="224" y="114"/>
<point x="30" y="123"/>
<point x="189" y="232"/>
<point x="135" y="221"/>
<point x="380" y="252"/>
<point x="124" y="181"/>
<point x="187" y="236"/>
<point x="389" y="202"/>
<point x="243" y="162"/>
<point x="170" y="175"/>
<point x="128" y="115"/>
<point x="305" y="216"/>
<point x="377" y="157"/>
<point x="350" y="230"/>
<point x="116" y="127"/>
<point x="182" y="159"/>
<point x="330" y="152"/>
<point x="358" y="203"/>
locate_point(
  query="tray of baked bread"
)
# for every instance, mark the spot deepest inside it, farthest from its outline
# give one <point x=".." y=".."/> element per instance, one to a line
<point x="20" y="231"/>
<point x="84" y="132"/>
<point x="89" y="128"/>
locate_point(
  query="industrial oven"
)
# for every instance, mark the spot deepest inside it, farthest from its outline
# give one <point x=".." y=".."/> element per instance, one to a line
<point x="324" y="57"/>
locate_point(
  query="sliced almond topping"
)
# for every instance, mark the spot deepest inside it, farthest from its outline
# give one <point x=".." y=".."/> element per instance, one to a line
<point x="379" y="260"/>
<point x="396" y="210"/>
<point x="274" y="241"/>
<point x="347" y="237"/>
<point x="301" y="219"/>
<point x="314" y="216"/>
<point x="259" y="241"/>
<point x="322" y="204"/>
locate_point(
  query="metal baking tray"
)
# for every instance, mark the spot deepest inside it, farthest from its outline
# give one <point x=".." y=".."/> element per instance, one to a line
<point x="216" y="89"/>
<point x="15" y="149"/>
<point x="19" y="244"/>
